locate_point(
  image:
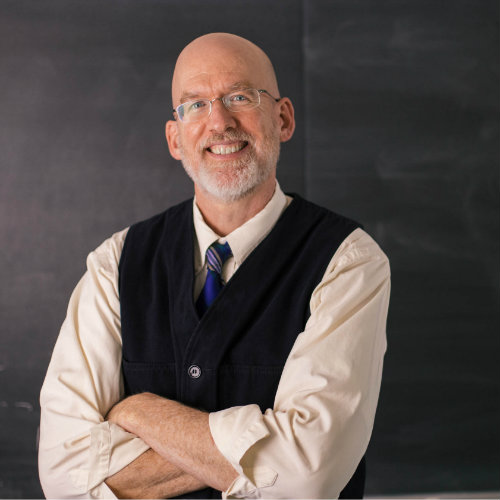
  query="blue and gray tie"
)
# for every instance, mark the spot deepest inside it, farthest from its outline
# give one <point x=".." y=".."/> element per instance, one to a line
<point x="216" y="255"/>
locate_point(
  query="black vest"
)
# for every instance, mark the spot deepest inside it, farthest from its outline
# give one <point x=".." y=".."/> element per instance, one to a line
<point x="235" y="353"/>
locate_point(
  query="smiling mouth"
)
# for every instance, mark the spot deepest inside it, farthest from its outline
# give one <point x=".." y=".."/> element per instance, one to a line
<point x="227" y="149"/>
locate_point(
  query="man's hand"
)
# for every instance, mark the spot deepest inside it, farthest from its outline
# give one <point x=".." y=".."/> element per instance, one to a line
<point x="151" y="476"/>
<point x="179" y="434"/>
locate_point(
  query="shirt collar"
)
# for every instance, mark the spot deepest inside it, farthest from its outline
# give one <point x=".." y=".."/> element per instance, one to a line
<point x="243" y="239"/>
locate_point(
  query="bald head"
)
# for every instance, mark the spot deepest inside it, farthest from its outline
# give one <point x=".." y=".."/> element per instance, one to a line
<point x="213" y="57"/>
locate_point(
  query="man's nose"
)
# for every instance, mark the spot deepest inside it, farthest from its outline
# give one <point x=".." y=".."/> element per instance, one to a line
<point x="220" y="118"/>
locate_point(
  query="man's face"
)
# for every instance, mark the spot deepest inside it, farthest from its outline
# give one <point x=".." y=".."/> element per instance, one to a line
<point x="229" y="154"/>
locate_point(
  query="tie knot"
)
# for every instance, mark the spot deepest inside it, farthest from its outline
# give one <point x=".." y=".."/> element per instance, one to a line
<point x="217" y="254"/>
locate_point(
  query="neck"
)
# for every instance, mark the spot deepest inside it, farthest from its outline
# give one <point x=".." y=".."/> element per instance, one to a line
<point x="224" y="217"/>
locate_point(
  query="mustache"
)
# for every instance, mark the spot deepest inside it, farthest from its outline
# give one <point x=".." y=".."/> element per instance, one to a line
<point x="229" y="135"/>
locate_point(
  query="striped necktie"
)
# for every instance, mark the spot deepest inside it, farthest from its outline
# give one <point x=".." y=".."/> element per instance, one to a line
<point x="216" y="255"/>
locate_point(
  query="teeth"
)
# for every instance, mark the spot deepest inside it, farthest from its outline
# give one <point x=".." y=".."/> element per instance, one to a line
<point x="226" y="150"/>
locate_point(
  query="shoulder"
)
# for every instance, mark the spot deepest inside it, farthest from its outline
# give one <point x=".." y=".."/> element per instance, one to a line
<point x="359" y="246"/>
<point x="106" y="256"/>
<point x="351" y="247"/>
<point x="156" y="227"/>
<point x="324" y="230"/>
<point x="359" y="268"/>
<point x="356" y="242"/>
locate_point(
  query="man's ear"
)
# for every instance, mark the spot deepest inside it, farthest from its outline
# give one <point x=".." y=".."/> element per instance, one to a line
<point x="172" y="135"/>
<point x="287" y="119"/>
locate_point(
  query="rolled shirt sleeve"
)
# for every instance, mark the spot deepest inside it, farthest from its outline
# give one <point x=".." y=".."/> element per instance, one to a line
<point x="310" y="443"/>
<point x="78" y="449"/>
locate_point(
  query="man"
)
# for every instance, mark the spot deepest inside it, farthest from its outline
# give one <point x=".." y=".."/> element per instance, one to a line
<point x="233" y="343"/>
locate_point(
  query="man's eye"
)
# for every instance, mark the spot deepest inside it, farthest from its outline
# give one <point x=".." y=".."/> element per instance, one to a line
<point x="239" y="98"/>
<point x="197" y="106"/>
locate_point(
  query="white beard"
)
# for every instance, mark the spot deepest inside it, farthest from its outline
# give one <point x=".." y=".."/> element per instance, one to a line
<point x="240" y="177"/>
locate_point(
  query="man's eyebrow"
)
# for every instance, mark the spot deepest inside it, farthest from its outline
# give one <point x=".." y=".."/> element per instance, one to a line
<point x="241" y="85"/>
<point x="189" y="96"/>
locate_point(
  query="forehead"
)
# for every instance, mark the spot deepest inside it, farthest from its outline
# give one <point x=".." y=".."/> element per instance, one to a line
<point x="218" y="71"/>
<point x="213" y="84"/>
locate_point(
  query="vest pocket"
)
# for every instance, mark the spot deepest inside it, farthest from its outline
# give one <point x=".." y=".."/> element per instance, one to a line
<point x="245" y="384"/>
<point x="158" y="378"/>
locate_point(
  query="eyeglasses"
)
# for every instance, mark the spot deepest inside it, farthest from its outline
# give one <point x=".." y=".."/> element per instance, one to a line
<point x="240" y="100"/>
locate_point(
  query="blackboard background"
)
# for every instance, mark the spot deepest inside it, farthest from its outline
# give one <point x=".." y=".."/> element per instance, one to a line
<point x="397" y="104"/>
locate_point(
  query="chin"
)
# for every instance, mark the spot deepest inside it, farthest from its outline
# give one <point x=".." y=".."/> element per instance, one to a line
<point x="233" y="183"/>
<point x="229" y="190"/>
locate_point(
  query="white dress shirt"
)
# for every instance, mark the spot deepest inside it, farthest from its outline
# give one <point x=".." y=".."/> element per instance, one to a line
<point x="308" y="445"/>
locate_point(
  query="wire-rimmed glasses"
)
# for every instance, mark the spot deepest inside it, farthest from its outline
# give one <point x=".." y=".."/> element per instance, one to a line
<point x="239" y="100"/>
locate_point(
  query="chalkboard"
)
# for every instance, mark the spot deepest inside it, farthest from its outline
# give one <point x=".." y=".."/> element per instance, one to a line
<point x="397" y="110"/>
<point x="403" y="134"/>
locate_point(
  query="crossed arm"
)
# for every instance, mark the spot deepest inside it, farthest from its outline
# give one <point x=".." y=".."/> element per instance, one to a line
<point x="307" y="446"/>
<point x="152" y="476"/>
<point x="183" y="456"/>
<point x="91" y="442"/>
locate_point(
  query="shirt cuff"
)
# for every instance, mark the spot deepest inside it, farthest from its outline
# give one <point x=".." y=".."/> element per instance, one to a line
<point x="111" y="449"/>
<point x="234" y="431"/>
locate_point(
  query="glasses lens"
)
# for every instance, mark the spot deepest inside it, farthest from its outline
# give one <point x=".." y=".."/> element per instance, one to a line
<point x="180" y="112"/>
<point x="193" y="110"/>
<point x="242" y="99"/>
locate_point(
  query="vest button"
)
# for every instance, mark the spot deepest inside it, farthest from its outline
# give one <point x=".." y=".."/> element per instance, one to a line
<point x="194" y="371"/>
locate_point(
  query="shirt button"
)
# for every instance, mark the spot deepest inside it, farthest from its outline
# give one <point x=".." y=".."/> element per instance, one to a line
<point x="194" y="371"/>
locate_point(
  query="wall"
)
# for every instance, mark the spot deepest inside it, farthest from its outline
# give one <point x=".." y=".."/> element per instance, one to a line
<point x="397" y="105"/>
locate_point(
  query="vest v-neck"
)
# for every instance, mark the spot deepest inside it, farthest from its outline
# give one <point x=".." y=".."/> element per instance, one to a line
<point x="266" y="266"/>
